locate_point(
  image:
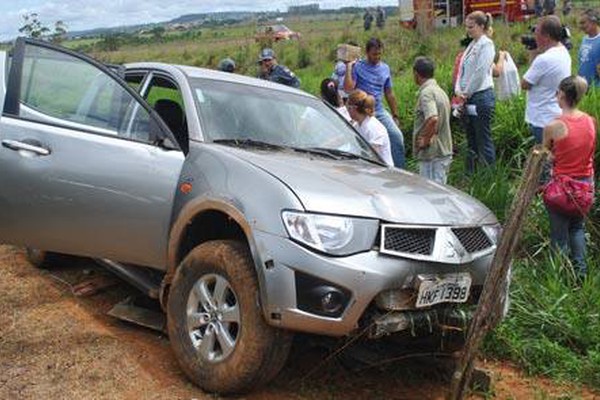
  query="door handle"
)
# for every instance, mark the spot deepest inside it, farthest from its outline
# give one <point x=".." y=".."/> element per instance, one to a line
<point x="17" y="146"/>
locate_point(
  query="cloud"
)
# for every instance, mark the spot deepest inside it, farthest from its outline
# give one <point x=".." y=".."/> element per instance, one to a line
<point x="88" y="14"/>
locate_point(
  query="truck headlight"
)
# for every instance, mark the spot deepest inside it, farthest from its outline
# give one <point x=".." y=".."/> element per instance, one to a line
<point x="329" y="233"/>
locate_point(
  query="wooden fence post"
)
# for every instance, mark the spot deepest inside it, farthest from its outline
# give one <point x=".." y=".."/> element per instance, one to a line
<point x="488" y="310"/>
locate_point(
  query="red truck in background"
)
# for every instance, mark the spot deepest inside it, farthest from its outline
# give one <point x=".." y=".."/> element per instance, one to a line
<point x="514" y="10"/>
<point x="443" y="13"/>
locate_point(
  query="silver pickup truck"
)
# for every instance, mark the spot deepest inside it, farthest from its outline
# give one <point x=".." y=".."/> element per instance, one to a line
<point x="249" y="209"/>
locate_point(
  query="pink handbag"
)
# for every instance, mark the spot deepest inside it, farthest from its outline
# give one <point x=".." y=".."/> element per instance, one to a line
<point x="566" y="195"/>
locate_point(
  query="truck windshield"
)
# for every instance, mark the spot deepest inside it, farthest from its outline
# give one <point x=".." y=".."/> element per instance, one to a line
<point x="232" y="111"/>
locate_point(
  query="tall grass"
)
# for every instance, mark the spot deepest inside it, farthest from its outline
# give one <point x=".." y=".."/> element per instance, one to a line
<point x="553" y="327"/>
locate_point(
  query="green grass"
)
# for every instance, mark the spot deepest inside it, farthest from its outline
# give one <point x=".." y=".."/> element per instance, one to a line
<point x="79" y="43"/>
<point x="553" y="327"/>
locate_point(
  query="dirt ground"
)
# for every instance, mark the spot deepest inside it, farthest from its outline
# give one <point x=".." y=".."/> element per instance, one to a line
<point x="56" y="345"/>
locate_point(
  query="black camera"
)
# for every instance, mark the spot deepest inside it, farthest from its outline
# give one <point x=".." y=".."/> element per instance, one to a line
<point x="466" y="40"/>
<point x="530" y="44"/>
<point x="566" y="40"/>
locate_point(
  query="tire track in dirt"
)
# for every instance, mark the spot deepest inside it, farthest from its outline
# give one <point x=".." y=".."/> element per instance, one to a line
<point x="61" y="346"/>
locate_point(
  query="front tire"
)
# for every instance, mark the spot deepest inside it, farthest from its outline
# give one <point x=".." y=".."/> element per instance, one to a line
<point x="215" y="321"/>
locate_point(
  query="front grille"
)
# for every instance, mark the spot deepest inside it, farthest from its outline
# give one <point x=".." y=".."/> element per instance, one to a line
<point x="412" y="241"/>
<point x="472" y="239"/>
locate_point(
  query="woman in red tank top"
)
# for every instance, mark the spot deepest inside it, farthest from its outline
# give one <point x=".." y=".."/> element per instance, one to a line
<point x="572" y="141"/>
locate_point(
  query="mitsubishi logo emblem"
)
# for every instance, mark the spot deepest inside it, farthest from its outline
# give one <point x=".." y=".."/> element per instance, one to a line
<point x="454" y="251"/>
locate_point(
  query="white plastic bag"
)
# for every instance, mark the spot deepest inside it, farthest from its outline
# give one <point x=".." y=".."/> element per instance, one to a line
<point x="508" y="84"/>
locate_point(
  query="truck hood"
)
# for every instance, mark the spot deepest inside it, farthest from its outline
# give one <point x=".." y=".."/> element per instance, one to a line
<point x="362" y="189"/>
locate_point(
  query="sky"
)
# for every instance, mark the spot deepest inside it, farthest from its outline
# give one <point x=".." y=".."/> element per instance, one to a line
<point x="88" y="14"/>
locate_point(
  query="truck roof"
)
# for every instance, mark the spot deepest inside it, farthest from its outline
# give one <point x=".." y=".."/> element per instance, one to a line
<point x="204" y="73"/>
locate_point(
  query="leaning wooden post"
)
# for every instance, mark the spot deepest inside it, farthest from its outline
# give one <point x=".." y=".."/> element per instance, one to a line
<point x="489" y="310"/>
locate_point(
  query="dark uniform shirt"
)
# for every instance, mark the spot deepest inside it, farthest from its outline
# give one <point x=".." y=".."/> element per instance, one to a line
<point x="282" y="74"/>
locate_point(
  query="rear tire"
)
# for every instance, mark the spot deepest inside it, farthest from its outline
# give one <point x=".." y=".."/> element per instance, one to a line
<point x="215" y="321"/>
<point x="42" y="259"/>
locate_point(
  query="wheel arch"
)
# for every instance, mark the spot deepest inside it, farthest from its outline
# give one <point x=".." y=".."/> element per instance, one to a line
<point x="224" y="221"/>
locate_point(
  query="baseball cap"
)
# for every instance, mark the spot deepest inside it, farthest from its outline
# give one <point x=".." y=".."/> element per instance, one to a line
<point x="226" y="65"/>
<point x="266" y="54"/>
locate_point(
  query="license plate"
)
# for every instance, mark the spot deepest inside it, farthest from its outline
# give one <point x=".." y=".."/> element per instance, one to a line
<point x="444" y="289"/>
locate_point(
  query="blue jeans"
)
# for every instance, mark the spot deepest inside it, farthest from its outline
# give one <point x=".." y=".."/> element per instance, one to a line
<point x="567" y="235"/>
<point x="478" y="127"/>
<point x="537" y="132"/>
<point x="395" y="135"/>
<point x="436" y="169"/>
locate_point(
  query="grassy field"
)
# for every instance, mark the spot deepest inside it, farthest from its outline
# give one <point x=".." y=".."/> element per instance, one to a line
<point x="553" y="328"/>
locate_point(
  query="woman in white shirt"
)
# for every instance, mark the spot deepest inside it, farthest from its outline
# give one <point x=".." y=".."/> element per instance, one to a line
<point x="475" y="86"/>
<point x="361" y="107"/>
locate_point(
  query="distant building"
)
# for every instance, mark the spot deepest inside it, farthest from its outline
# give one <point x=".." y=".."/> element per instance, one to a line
<point x="178" y="27"/>
<point x="305" y="9"/>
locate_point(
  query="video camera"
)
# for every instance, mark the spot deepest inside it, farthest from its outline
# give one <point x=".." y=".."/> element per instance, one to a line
<point x="530" y="44"/>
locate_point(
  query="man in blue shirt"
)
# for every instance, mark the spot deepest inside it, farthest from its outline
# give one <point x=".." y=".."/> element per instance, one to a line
<point x="589" y="52"/>
<point x="271" y="71"/>
<point x="372" y="76"/>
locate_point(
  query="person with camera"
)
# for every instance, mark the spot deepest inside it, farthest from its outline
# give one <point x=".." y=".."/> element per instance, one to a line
<point x="551" y="64"/>
<point x="572" y="140"/>
<point x="475" y="88"/>
<point x="589" y="52"/>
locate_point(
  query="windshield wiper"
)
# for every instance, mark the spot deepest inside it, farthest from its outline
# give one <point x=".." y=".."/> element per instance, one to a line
<point x="250" y="143"/>
<point x="271" y="146"/>
<point x="335" y="154"/>
<point x="344" y="154"/>
<point x="315" y="150"/>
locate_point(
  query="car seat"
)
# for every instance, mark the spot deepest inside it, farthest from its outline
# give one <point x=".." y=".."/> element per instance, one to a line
<point x="172" y="114"/>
